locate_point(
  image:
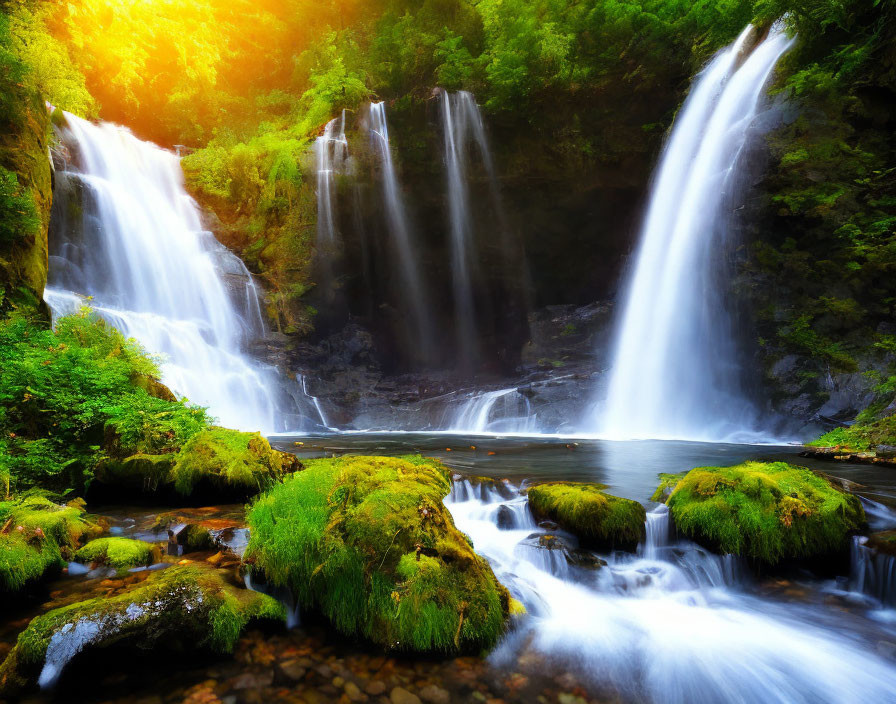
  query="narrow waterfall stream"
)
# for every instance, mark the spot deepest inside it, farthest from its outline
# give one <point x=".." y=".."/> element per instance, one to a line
<point x="414" y="292"/>
<point x="127" y="240"/>
<point x="330" y="156"/>
<point x="672" y="624"/>
<point x="676" y="372"/>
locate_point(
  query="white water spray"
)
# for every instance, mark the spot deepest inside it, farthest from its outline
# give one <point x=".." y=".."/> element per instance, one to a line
<point x="330" y="156"/>
<point x="668" y="625"/>
<point x="675" y="372"/>
<point x="127" y="235"/>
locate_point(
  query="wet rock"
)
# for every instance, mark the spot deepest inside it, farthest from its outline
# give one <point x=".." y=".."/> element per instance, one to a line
<point x="584" y="560"/>
<point x="399" y="695"/>
<point x="354" y="693"/>
<point x="597" y="519"/>
<point x="375" y="688"/>
<point x="253" y="680"/>
<point x="505" y="518"/>
<point x="187" y="607"/>
<point x="293" y="669"/>
<point x="435" y="695"/>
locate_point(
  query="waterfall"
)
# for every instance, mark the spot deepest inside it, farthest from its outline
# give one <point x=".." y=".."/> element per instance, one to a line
<point x="461" y="123"/>
<point x="330" y="156"/>
<point x="872" y="572"/>
<point x="669" y="625"/>
<point x="501" y="411"/>
<point x="127" y="239"/>
<point x="411" y="282"/>
<point x="675" y="372"/>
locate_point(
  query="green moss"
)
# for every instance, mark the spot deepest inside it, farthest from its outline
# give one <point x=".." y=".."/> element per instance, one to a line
<point x="37" y="536"/>
<point x="193" y="606"/>
<point x="367" y="542"/>
<point x="229" y="461"/>
<point x="667" y="484"/>
<point x="884" y="542"/>
<point x="597" y="519"/>
<point x="120" y="553"/>
<point x="141" y="472"/>
<point x="764" y="511"/>
<point x="860" y="437"/>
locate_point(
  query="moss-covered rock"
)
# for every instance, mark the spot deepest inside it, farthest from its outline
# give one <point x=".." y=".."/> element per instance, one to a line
<point x="182" y="607"/>
<point x="884" y="542"/>
<point x="765" y="511"/>
<point x="222" y="462"/>
<point x="862" y="442"/>
<point x="120" y="553"/>
<point x="598" y="519"/>
<point x="229" y="461"/>
<point x="36" y="538"/>
<point x="368" y="543"/>
<point x="141" y="472"/>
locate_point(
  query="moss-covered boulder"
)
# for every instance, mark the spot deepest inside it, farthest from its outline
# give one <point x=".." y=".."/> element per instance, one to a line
<point x="36" y="538"/>
<point x="765" y="511"/>
<point x="368" y="543"/>
<point x="230" y="462"/>
<point x="120" y="553"/>
<point x="180" y="608"/>
<point x="883" y="542"/>
<point x="216" y="462"/>
<point x="599" y="520"/>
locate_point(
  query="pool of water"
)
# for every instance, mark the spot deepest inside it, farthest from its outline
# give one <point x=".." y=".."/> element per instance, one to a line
<point x="628" y="468"/>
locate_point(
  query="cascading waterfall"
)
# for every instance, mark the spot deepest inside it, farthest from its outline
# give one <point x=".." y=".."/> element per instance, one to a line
<point x="414" y="293"/>
<point x="330" y="157"/>
<point x="501" y="411"/>
<point x="127" y="239"/>
<point x="670" y="624"/>
<point x="675" y="372"/>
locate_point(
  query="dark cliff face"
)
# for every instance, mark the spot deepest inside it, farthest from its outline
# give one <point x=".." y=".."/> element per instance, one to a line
<point x="564" y="222"/>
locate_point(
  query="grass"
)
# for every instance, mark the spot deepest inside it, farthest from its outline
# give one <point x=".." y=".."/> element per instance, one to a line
<point x="764" y="511"/>
<point x="598" y="519"/>
<point x="367" y="542"/>
<point x="860" y="437"/>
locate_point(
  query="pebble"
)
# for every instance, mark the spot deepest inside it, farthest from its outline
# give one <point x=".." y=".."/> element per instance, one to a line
<point x="354" y="692"/>
<point x="375" y="688"/>
<point x="400" y="695"/>
<point x="294" y="669"/>
<point x="253" y="680"/>
<point x="435" y="695"/>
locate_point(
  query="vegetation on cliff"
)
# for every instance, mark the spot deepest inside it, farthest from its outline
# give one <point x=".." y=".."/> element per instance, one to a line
<point x="861" y="437"/>
<point x="368" y="543"/>
<point x="765" y="511"/>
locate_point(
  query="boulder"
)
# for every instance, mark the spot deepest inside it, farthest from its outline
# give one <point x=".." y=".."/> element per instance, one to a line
<point x="120" y="553"/>
<point x="599" y="520"/>
<point x="368" y="543"/>
<point x="180" y="608"/>
<point x="764" y="511"/>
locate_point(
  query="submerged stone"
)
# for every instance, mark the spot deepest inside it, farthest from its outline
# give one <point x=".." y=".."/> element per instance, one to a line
<point x="766" y="511"/>
<point x="194" y="607"/>
<point x="600" y="520"/>
<point x="368" y="543"/>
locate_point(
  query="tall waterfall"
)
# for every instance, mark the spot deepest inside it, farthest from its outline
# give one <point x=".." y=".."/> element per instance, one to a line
<point x="411" y="282"/>
<point x="330" y="155"/>
<point x="126" y="234"/>
<point x="675" y="372"/>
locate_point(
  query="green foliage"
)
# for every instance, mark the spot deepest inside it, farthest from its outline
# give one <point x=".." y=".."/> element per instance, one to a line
<point x="765" y="511"/>
<point x="367" y="542"/>
<point x="229" y="461"/>
<point x="190" y="607"/>
<point x="596" y="518"/>
<point x="37" y="535"/>
<point x="120" y="553"/>
<point x="861" y="436"/>
<point x="60" y="391"/>
<point x="18" y="213"/>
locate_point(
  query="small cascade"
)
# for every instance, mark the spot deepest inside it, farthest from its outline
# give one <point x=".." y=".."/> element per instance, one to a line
<point x="675" y="372"/>
<point x="669" y="624"/>
<point x="330" y="158"/>
<point x="872" y="572"/>
<point x="126" y="239"/>
<point x="501" y="411"/>
<point x="413" y="291"/>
